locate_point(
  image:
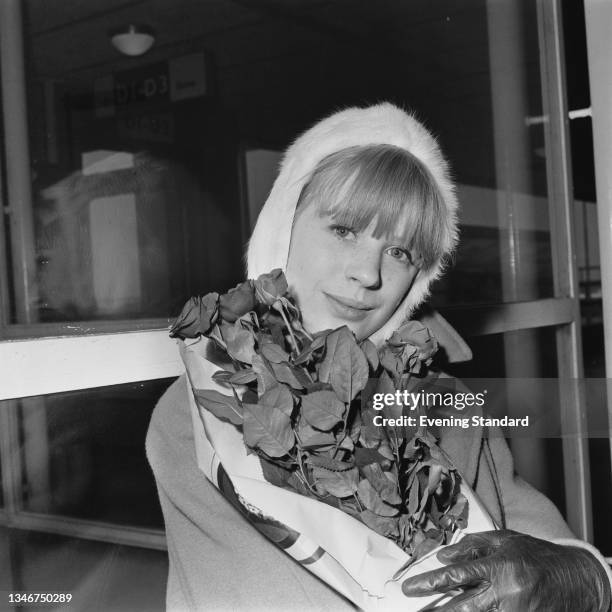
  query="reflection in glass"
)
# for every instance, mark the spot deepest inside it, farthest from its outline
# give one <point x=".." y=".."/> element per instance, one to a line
<point x="83" y="454"/>
<point x="110" y="239"/>
<point x="139" y="197"/>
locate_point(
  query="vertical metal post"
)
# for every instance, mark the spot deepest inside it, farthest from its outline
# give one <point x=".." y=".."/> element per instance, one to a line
<point x="10" y="456"/>
<point x="561" y="202"/>
<point x="598" y="15"/>
<point x="17" y="156"/>
<point x="507" y="59"/>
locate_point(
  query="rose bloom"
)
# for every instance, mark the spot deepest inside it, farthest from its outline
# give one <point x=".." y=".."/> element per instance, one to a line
<point x="237" y="302"/>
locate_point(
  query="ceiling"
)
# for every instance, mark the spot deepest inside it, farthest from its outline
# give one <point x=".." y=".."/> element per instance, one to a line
<point x="289" y="61"/>
<point x="69" y="38"/>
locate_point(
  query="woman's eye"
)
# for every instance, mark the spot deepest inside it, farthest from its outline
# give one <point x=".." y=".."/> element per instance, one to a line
<point x="342" y="232"/>
<point x="400" y="254"/>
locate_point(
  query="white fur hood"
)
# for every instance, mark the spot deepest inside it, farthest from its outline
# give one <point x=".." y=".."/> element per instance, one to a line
<point x="380" y="124"/>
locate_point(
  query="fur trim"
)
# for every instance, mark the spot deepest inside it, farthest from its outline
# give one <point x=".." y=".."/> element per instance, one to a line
<point x="380" y="124"/>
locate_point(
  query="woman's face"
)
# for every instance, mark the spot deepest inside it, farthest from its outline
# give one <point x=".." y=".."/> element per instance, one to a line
<point x="344" y="277"/>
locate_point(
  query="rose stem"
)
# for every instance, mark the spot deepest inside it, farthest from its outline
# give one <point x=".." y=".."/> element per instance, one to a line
<point x="294" y="341"/>
<point x="358" y="503"/>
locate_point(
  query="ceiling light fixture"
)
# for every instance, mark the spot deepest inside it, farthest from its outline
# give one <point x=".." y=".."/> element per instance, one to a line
<point x="132" y="40"/>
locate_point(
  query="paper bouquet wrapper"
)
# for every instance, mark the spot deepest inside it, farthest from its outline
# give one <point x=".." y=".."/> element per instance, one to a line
<point x="343" y="552"/>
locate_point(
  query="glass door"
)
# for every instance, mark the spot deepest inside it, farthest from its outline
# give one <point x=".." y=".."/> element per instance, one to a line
<point x="124" y="194"/>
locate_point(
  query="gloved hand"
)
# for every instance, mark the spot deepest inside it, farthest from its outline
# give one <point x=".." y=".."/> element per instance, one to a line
<point x="507" y="571"/>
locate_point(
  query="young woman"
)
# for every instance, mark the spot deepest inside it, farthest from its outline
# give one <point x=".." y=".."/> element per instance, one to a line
<point x="361" y="218"/>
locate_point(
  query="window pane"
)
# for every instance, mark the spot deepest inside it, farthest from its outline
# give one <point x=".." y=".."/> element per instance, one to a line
<point x="525" y="354"/>
<point x="480" y="271"/>
<point x="140" y="166"/>
<point x="99" y="576"/>
<point x="83" y="454"/>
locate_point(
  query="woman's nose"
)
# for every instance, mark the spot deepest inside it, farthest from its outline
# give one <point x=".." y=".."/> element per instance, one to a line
<point x="364" y="267"/>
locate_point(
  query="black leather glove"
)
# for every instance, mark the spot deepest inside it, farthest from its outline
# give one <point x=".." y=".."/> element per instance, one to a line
<point x="507" y="571"/>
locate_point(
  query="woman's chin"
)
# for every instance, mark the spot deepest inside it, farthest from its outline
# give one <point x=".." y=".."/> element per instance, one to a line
<point x="323" y="324"/>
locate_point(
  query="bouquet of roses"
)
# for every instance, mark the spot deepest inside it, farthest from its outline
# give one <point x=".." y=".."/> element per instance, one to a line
<point x="303" y="405"/>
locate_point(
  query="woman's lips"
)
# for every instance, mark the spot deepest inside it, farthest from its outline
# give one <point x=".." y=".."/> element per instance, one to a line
<point x="346" y="308"/>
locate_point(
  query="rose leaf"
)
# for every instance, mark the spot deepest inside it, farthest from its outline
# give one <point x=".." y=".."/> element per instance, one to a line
<point x="285" y="374"/>
<point x="369" y="350"/>
<point x="413" y="497"/>
<point x="344" y="365"/>
<point x="322" y="409"/>
<point x="310" y="438"/>
<point x="327" y="463"/>
<point x="265" y="378"/>
<point x="275" y="474"/>
<point x="243" y="377"/>
<point x="340" y="484"/>
<point x="366" y="456"/>
<point x="372" y="500"/>
<point x="240" y="343"/>
<point x="278" y="397"/>
<point x="382" y="485"/>
<point x="224" y="407"/>
<point x="274" y="353"/>
<point x="385" y="526"/>
<point x="268" y="430"/>
<point x="222" y="376"/>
